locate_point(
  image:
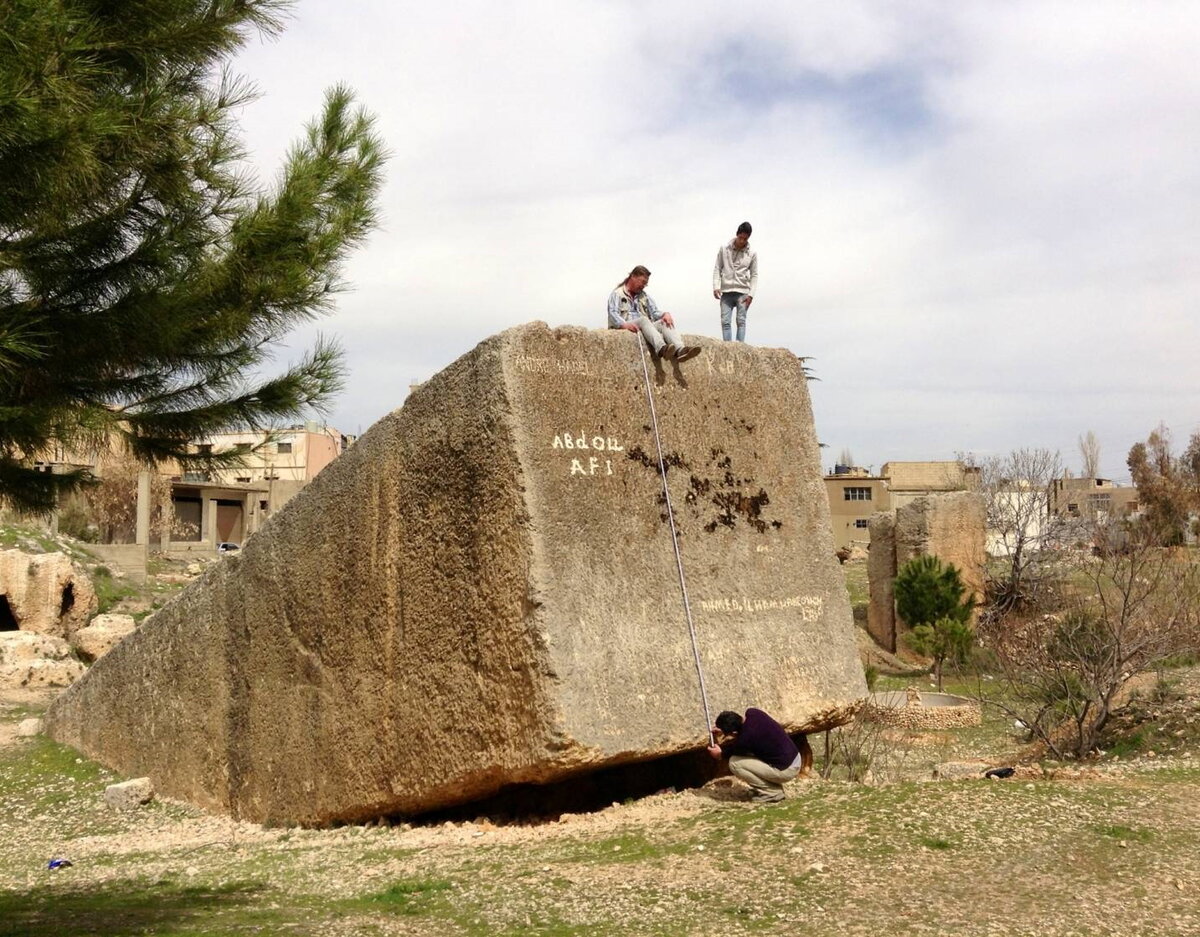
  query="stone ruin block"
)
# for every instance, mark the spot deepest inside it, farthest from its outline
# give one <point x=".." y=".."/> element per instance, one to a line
<point x="483" y="592"/>
<point x="950" y="526"/>
<point x="45" y="593"/>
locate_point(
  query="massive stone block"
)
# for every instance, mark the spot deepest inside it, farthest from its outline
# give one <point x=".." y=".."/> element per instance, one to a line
<point x="483" y="591"/>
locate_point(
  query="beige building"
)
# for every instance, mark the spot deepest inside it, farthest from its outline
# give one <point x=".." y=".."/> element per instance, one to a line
<point x="855" y="494"/>
<point x="227" y="505"/>
<point x="1094" y="498"/>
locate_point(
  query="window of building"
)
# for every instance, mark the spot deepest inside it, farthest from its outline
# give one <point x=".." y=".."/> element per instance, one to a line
<point x="204" y="448"/>
<point x="262" y="505"/>
<point x="861" y="523"/>
<point x="856" y="493"/>
<point x="243" y="478"/>
<point x="284" y="448"/>
<point x="1073" y="510"/>
<point x="1100" y="499"/>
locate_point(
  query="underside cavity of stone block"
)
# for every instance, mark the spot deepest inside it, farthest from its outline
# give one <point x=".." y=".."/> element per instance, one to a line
<point x="482" y="592"/>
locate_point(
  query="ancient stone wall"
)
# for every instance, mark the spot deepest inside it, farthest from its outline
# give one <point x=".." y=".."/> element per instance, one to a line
<point x="45" y="593"/>
<point x="482" y="591"/>
<point x="949" y="526"/>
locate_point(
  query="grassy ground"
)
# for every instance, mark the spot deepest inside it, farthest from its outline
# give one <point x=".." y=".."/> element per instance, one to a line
<point x="1106" y="849"/>
<point x="1027" y="855"/>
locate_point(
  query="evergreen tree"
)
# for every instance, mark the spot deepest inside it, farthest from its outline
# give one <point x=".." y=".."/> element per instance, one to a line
<point x="929" y="597"/>
<point x="143" y="279"/>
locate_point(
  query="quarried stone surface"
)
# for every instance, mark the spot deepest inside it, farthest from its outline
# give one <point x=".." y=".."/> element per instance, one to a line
<point x="45" y="593"/>
<point x="483" y="591"/>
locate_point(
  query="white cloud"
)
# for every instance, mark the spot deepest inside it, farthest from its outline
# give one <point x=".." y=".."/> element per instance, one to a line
<point x="979" y="218"/>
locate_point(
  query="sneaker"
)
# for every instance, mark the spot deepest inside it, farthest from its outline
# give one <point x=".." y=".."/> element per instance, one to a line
<point x="687" y="352"/>
<point x="667" y="352"/>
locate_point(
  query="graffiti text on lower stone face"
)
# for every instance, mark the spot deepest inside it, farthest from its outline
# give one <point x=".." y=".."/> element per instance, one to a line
<point x="810" y="606"/>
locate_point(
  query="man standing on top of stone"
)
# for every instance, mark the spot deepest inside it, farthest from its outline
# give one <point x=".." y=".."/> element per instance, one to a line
<point x="735" y="278"/>
<point x="760" y="753"/>
<point x="630" y="307"/>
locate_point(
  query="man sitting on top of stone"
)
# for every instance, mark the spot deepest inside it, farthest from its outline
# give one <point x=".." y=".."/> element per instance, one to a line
<point x="630" y="307"/>
<point x="760" y="753"/>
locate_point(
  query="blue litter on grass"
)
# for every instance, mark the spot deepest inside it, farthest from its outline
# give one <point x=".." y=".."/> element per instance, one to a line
<point x="58" y="864"/>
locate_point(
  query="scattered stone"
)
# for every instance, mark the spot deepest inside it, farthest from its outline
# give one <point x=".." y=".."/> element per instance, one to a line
<point x="129" y="795"/>
<point x="101" y="635"/>
<point x="28" y="728"/>
<point x="41" y="673"/>
<point x="23" y="647"/>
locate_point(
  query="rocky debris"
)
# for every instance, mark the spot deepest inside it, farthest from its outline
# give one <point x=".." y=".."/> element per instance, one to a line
<point x="957" y="770"/>
<point x="31" y="661"/>
<point x="482" y="592"/>
<point x="25" y="646"/>
<point x="45" y="593"/>
<point x="128" y="795"/>
<point x="101" y="635"/>
<point x="28" y="728"/>
<point x="40" y="674"/>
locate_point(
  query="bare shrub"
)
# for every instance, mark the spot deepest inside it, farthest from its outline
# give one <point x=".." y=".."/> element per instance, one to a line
<point x="1125" y="611"/>
<point x="866" y="749"/>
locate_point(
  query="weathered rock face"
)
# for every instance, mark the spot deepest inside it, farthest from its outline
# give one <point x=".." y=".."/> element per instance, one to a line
<point x="45" y="593"/>
<point x="950" y="526"/>
<point x="483" y="591"/>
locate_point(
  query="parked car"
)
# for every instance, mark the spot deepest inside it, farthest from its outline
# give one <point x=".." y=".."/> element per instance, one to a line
<point x="225" y="547"/>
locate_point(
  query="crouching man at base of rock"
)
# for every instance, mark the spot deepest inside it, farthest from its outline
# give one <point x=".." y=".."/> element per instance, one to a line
<point x="760" y="753"/>
<point x="630" y="307"/>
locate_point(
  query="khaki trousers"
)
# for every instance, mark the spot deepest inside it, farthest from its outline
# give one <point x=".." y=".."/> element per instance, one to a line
<point x="760" y="775"/>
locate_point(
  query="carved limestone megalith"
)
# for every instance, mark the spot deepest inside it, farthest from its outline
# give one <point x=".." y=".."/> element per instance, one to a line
<point x="483" y="591"/>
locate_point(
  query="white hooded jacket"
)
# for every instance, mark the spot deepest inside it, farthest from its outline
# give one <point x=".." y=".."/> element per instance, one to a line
<point x="736" y="271"/>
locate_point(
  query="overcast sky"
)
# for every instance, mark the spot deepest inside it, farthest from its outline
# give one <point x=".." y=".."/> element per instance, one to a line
<point x="979" y="219"/>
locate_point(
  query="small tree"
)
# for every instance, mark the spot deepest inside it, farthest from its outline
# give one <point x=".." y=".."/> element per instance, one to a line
<point x="1089" y="454"/>
<point x="944" y="639"/>
<point x="1023" y="531"/>
<point x="929" y="597"/>
<point x="1168" y="485"/>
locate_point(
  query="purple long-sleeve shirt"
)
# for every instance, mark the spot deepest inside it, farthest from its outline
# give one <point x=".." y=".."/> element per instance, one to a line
<point x="762" y="738"/>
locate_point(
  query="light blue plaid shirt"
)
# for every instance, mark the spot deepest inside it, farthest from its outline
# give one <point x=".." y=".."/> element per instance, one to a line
<point x="624" y="308"/>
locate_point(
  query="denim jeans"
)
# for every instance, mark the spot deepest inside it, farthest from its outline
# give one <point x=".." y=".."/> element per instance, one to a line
<point x="730" y="301"/>
<point x="658" y="334"/>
